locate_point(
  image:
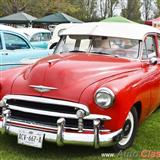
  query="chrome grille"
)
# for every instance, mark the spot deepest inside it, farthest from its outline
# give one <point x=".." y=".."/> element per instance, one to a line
<point x="48" y="120"/>
<point x="45" y="111"/>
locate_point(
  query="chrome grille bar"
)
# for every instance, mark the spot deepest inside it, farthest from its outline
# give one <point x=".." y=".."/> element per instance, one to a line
<point x="57" y="114"/>
<point x="47" y="101"/>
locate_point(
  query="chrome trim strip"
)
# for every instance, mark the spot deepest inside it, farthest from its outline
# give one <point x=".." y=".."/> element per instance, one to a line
<point x="53" y="60"/>
<point x="47" y="101"/>
<point x="98" y="116"/>
<point x="41" y="88"/>
<point x="57" y="114"/>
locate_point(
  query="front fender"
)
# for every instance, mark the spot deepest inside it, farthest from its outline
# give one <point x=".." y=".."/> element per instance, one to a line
<point x="7" y="78"/>
<point x="127" y="93"/>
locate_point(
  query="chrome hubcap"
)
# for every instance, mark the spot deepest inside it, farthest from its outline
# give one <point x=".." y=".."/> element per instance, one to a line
<point x="127" y="127"/>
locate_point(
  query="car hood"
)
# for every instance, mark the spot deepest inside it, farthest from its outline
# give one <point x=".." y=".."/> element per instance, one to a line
<point x="69" y="74"/>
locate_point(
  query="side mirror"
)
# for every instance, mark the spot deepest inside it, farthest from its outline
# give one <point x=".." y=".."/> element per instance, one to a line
<point x="153" y="60"/>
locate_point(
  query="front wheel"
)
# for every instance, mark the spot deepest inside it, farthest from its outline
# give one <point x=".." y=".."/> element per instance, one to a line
<point x="129" y="131"/>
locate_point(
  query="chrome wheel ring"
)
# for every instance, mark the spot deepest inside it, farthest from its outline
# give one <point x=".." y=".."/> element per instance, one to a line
<point x="128" y="129"/>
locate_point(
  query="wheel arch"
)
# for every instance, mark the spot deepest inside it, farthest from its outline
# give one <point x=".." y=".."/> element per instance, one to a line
<point x="138" y="106"/>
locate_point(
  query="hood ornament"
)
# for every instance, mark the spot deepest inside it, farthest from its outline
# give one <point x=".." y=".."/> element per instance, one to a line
<point x="42" y="89"/>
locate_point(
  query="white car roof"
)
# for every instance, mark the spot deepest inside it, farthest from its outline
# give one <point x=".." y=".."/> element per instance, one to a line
<point x="31" y="31"/>
<point x="11" y="29"/>
<point x="62" y="26"/>
<point x="5" y="27"/>
<point x="120" y="30"/>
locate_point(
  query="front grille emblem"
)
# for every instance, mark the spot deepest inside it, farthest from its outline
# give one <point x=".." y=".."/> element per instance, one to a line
<point x="42" y="89"/>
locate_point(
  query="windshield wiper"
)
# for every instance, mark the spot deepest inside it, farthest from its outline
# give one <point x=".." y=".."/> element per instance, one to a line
<point x="102" y="53"/>
<point x="76" y="51"/>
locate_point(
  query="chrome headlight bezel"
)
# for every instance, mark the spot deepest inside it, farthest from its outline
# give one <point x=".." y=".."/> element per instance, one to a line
<point x="108" y="93"/>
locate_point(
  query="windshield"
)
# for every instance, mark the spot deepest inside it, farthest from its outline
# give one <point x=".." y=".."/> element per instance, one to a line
<point x="41" y="37"/>
<point x="118" y="47"/>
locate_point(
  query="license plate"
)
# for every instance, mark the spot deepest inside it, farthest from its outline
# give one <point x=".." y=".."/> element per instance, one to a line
<point x="30" y="138"/>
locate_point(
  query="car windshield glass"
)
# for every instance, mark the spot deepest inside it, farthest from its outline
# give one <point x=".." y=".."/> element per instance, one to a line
<point x="41" y="37"/>
<point x="118" y="47"/>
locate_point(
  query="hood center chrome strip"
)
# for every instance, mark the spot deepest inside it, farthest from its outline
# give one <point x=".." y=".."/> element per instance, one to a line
<point x="41" y="88"/>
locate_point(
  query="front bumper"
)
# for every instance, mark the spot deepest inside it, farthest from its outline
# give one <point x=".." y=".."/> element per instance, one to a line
<point x="60" y="131"/>
<point x="62" y="136"/>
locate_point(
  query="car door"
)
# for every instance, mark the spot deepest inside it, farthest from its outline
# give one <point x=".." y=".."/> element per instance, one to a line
<point x="150" y="55"/>
<point x="15" y="48"/>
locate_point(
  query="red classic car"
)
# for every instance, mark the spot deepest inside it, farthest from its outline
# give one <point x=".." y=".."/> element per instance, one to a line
<point x="102" y="81"/>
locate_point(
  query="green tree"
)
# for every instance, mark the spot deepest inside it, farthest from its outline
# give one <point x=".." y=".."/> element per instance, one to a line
<point x="86" y="9"/>
<point x="132" y="10"/>
<point x="12" y="6"/>
<point x="107" y="7"/>
<point x="157" y="14"/>
<point x="147" y="7"/>
<point x="39" y="8"/>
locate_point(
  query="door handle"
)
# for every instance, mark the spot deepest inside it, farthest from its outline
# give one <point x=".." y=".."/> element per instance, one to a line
<point x="5" y="54"/>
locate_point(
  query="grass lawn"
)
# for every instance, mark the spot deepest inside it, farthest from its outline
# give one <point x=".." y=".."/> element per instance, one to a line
<point x="148" y="138"/>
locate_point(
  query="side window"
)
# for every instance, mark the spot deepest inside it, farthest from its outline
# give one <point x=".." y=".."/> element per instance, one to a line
<point x="15" y="42"/>
<point x="149" y="49"/>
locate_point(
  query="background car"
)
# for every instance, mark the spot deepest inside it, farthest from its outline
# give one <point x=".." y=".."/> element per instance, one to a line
<point x="38" y="37"/>
<point x="15" y="48"/>
<point x="56" y="32"/>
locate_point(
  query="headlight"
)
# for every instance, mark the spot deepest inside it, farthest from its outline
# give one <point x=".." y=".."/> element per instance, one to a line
<point x="104" y="97"/>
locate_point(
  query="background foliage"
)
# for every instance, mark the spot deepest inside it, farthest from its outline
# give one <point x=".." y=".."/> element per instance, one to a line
<point x="86" y="10"/>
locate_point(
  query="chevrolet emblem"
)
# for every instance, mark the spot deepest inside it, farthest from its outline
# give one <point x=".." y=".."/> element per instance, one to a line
<point x="42" y="89"/>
